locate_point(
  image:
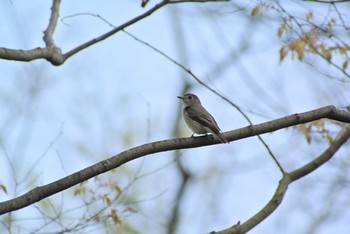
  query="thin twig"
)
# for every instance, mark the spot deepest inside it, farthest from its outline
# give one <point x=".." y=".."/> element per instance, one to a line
<point x="103" y="166"/>
<point x="130" y="22"/>
<point x="286" y="180"/>
<point x="340" y="16"/>
<point x="211" y="89"/>
<point x="54" y="55"/>
<point x="339" y="68"/>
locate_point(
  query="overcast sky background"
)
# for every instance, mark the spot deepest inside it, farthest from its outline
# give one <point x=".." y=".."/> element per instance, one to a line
<point x="119" y="93"/>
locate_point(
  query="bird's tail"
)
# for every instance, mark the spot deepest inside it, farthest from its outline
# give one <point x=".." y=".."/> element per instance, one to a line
<point x="221" y="137"/>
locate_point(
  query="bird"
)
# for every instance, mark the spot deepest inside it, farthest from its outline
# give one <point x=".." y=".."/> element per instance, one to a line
<point x="198" y="119"/>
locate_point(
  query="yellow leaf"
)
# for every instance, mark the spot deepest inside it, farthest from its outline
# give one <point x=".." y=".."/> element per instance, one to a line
<point x="283" y="52"/>
<point x="306" y="131"/>
<point x="299" y="48"/>
<point x="328" y="55"/>
<point x="279" y="32"/>
<point x="117" y="188"/>
<point x="255" y="10"/>
<point x="79" y="190"/>
<point x="115" y="217"/>
<point x="284" y="26"/>
<point x="281" y="29"/>
<point x="342" y="50"/>
<point x="329" y="139"/>
<point x="108" y="200"/>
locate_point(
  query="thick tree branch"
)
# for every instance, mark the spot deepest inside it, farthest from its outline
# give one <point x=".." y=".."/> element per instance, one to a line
<point x="45" y="191"/>
<point x="54" y="55"/>
<point x="286" y="180"/>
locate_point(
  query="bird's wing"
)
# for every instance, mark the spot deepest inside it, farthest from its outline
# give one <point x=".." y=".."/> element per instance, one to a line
<point x="204" y="118"/>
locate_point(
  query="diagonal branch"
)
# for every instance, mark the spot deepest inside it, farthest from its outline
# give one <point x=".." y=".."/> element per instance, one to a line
<point x="212" y="90"/>
<point x="54" y="55"/>
<point x="134" y="20"/>
<point x="286" y="180"/>
<point x="45" y="191"/>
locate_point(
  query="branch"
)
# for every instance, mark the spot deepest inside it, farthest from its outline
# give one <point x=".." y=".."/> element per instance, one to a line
<point x="187" y="70"/>
<point x="329" y="2"/>
<point x="54" y="55"/>
<point x="286" y="180"/>
<point x="45" y="191"/>
<point x="48" y="33"/>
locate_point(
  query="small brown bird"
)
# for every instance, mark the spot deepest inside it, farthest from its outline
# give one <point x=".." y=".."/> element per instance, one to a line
<point x="198" y="119"/>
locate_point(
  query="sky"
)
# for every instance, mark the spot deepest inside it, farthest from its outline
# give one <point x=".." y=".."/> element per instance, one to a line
<point x="119" y="93"/>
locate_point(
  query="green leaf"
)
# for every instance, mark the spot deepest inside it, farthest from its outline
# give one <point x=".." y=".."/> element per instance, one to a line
<point x="345" y="64"/>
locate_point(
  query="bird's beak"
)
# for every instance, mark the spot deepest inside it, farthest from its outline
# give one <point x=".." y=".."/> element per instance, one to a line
<point x="180" y="97"/>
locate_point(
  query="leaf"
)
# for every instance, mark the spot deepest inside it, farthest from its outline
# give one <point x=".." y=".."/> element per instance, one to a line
<point x="309" y="16"/>
<point x="326" y="52"/>
<point x="299" y="46"/>
<point x="3" y="187"/>
<point x="329" y="139"/>
<point x="115" y="217"/>
<point x="117" y="188"/>
<point x="108" y="200"/>
<point x="130" y="209"/>
<point x="283" y="52"/>
<point x="281" y="29"/>
<point x="79" y="190"/>
<point x="332" y="21"/>
<point x="255" y="10"/>
<point x="345" y="64"/>
<point x="306" y="131"/>
<point x="341" y="50"/>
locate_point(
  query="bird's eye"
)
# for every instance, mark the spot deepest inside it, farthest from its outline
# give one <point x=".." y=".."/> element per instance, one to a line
<point x="190" y="97"/>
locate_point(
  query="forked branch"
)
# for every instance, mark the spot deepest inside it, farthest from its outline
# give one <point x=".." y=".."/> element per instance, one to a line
<point x="45" y="191"/>
<point x="286" y="180"/>
<point x="53" y="53"/>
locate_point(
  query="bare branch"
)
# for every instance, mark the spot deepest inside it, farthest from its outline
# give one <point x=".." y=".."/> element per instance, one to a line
<point x="314" y="164"/>
<point x="286" y="180"/>
<point x="130" y="22"/>
<point x="45" y="191"/>
<point x="48" y="33"/>
<point x="212" y="90"/>
<point x="329" y="2"/>
<point x="54" y="55"/>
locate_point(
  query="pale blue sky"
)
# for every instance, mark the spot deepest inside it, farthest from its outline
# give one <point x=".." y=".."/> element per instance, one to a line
<point x="119" y="93"/>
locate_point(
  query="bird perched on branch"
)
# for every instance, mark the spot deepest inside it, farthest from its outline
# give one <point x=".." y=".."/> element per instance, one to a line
<point x="198" y="119"/>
